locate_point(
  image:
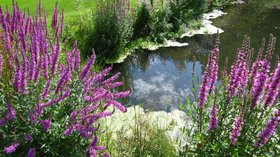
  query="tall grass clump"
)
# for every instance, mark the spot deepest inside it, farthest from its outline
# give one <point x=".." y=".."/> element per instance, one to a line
<point x="183" y="11"/>
<point x="151" y="23"/>
<point x="138" y="135"/>
<point x="112" y="28"/>
<point x="238" y="116"/>
<point x="50" y="105"/>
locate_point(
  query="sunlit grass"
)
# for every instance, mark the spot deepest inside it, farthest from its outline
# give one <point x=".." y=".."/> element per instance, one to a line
<point x="70" y="7"/>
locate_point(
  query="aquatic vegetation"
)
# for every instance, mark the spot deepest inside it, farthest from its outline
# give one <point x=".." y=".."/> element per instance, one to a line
<point x="50" y="99"/>
<point x="240" y="117"/>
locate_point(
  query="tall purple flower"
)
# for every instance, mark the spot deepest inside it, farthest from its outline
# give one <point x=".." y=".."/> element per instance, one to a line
<point x="55" y="56"/>
<point x="259" y="83"/>
<point x="273" y="88"/>
<point x="47" y="89"/>
<point x="46" y="67"/>
<point x="8" y="40"/>
<point x="88" y="66"/>
<point x="62" y="81"/>
<point x="205" y="86"/>
<point x="236" y="131"/>
<point x="55" y="16"/>
<point x="269" y="130"/>
<point x="239" y="74"/>
<point x="213" y="123"/>
<point x="77" y="61"/>
<point x="12" y="148"/>
<point x="32" y="67"/>
<point x="214" y="68"/>
<point x="23" y="82"/>
<point x="209" y="78"/>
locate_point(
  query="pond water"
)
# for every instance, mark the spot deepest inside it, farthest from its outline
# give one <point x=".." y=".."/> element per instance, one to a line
<point x="162" y="79"/>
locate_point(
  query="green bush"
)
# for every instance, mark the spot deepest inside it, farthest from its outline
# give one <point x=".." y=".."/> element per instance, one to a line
<point x="143" y="22"/>
<point x="112" y="29"/>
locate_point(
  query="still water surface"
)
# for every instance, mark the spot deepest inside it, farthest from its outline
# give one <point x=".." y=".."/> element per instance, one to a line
<point x="161" y="79"/>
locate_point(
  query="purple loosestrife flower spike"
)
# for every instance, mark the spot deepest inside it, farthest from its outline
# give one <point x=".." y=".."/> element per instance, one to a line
<point x="273" y="88"/>
<point x="259" y="83"/>
<point x="214" y="68"/>
<point x="63" y="80"/>
<point x="55" y="16"/>
<point x="204" y="88"/>
<point x="32" y="67"/>
<point x="55" y="57"/>
<point x="238" y="75"/>
<point x="117" y="105"/>
<point x="88" y="66"/>
<point x="46" y="67"/>
<point x="46" y="124"/>
<point x="8" y="40"/>
<point x="116" y="84"/>
<point x="37" y="71"/>
<point x="77" y="60"/>
<point x="236" y="131"/>
<point x="122" y="94"/>
<point x="269" y="130"/>
<point x="23" y="82"/>
<point x="213" y="123"/>
<point x="47" y="89"/>
<point x="12" y="148"/>
<point x="112" y="79"/>
<point x="31" y="152"/>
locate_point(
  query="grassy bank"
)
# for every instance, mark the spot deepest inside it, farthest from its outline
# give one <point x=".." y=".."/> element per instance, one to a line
<point x="129" y="27"/>
<point x="148" y="23"/>
<point x="70" y="8"/>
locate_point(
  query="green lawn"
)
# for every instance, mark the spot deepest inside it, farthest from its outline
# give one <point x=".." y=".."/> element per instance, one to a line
<point x="70" y="7"/>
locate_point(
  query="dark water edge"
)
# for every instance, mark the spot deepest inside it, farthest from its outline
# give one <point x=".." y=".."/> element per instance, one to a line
<point x="162" y="79"/>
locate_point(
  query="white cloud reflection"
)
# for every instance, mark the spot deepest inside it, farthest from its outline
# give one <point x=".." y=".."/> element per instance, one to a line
<point x="159" y="92"/>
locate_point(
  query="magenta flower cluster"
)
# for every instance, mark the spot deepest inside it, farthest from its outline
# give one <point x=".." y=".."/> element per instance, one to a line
<point x="259" y="82"/>
<point x="269" y="130"/>
<point x="32" y="58"/>
<point x="214" y="119"/>
<point x="236" y="131"/>
<point x="250" y="86"/>
<point x="273" y="88"/>
<point x="209" y="78"/>
<point x="239" y="74"/>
